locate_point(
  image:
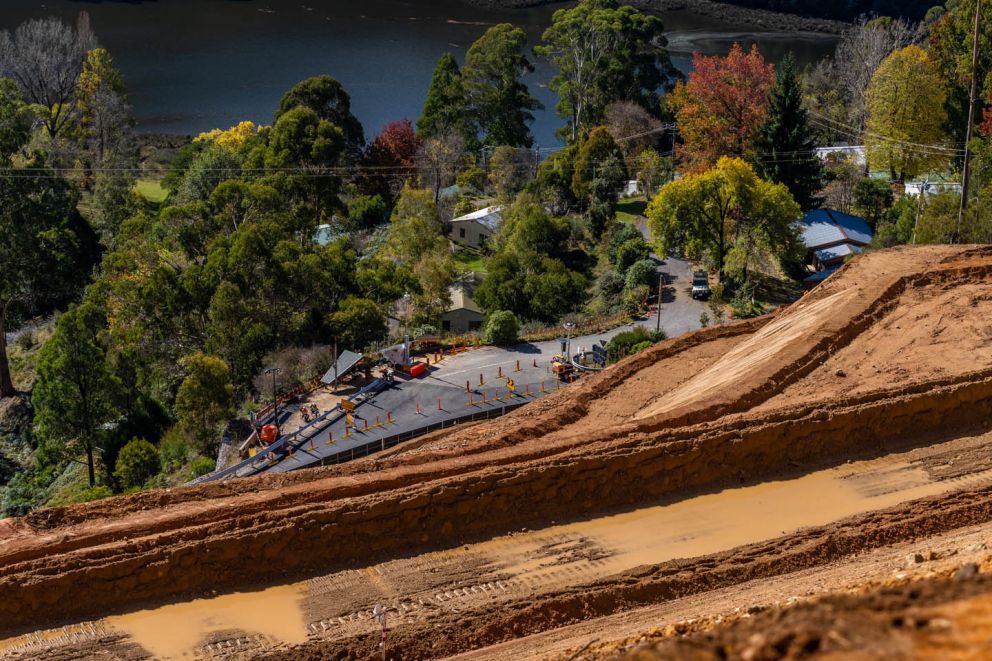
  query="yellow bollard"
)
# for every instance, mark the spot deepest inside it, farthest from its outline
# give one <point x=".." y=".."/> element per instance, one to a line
<point x="526" y="390"/>
<point x="330" y="439"/>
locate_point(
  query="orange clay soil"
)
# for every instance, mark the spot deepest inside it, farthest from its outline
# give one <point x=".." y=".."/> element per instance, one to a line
<point x="670" y="420"/>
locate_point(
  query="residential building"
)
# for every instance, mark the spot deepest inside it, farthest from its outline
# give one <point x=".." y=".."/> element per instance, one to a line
<point x="463" y="315"/>
<point x="474" y="229"/>
<point x="831" y="237"/>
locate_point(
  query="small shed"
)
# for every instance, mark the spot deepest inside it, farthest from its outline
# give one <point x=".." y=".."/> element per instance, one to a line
<point x="474" y="229"/>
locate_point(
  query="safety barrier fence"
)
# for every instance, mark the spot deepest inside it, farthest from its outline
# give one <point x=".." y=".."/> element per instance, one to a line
<point x="266" y="456"/>
<point x="387" y="442"/>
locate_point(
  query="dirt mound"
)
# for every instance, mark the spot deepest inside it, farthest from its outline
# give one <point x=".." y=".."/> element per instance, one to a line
<point x="724" y="406"/>
<point x="946" y="617"/>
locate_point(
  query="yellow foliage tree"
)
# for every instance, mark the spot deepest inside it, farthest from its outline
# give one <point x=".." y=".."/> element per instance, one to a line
<point x="906" y="116"/>
<point x="233" y="138"/>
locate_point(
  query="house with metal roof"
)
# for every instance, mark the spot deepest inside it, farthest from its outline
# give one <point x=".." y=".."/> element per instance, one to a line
<point x="832" y="236"/>
<point x="474" y="229"/>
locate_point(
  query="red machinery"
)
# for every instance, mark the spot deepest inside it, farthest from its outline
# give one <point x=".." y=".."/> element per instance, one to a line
<point x="269" y="434"/>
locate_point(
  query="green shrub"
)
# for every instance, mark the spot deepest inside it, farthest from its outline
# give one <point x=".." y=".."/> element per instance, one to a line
<point x="632" y="252"/>
<point x="98" y="492"/>
<point x="743" y="303"/>
<point x="137" y="461"/>
<point x="174" y="451"/>
<point x="642" y="274"/>
<point x="635" y="299"/>
<point x="610" y="285"/>
<point x="201" y="466"/>
<point x="630" y="342"/>
<point x="472" y="180"/>
<point x="502" y="328"/>
<point x="366" y="212"/>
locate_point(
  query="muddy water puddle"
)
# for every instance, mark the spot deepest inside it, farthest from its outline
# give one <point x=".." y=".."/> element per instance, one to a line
<point x="721" y="521"/>
<point x="176" y="630"/>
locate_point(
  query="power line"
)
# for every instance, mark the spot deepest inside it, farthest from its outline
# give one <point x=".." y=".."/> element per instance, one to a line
<point x="853" y="131"/>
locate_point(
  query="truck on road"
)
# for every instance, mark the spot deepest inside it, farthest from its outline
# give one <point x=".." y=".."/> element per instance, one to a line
<point x="700" y="285"/>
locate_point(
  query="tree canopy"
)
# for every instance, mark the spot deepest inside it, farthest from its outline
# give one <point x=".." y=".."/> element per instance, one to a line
<point x="905" y="131"/>
<point x="445" y="109"/>
<point x="722" y="107"/>
<point x="500" y="105"/>
<point x="786" y="144"/>
<point x="328" y="99"/>
<point x="605" y="52"/>
<point x="727" y="207"/>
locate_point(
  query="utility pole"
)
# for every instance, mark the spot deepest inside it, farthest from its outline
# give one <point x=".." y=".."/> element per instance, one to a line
<point x="275" y="400"/>
<point x="568" y="340"/>
<point x="966" y="169"/>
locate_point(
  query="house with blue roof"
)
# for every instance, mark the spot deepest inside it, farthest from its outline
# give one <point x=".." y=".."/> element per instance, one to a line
<point x="831" y="237"/>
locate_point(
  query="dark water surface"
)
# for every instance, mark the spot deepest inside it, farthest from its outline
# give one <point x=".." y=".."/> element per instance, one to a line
<point x="193" y="65"/>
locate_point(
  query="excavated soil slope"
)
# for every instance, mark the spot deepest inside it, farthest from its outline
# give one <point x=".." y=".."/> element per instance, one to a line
<point x="682" y="423"/>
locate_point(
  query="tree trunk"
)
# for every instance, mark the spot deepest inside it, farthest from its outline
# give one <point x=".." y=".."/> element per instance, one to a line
<point x="6" y="384"/>
<point x="89" y="463"/>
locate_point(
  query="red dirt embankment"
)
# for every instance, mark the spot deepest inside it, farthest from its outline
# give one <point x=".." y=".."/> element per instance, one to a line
<point x="543" y="462"/>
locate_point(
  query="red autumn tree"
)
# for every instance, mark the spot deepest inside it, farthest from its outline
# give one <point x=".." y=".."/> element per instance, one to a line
<point x="722" y="107"/>
<point x="388" y="160"/>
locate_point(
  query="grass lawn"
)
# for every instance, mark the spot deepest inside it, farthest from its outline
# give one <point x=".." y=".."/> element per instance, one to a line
<point x="630" y="209"/>
<point x="470" y="260"/>
<point x="151" y="190"/>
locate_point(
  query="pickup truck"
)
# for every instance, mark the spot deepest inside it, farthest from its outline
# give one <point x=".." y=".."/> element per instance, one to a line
<point x="700" y="285"/>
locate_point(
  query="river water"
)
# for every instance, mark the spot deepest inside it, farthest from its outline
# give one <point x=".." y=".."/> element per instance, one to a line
<point x="193" y="65"/>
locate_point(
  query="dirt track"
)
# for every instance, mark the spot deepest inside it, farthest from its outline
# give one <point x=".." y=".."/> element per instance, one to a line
<point x="728" y="406"/>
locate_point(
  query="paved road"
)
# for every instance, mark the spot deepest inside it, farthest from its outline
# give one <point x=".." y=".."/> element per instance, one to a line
<point x="446" y="382"/>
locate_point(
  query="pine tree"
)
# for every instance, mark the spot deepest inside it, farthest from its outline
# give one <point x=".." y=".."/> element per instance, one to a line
<point x="786" y="147"/>
<point x="445" y="110"/>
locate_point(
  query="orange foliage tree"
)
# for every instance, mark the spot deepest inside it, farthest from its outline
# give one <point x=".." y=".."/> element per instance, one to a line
<point x="722" y="107"/>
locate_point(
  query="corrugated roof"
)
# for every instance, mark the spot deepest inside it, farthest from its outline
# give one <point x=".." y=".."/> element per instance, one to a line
<point x="490" y="217"/>
<point x="822" y="227"/>
<point x="837" y="252"/>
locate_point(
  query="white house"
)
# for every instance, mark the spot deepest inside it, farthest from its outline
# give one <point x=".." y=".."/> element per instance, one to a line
<point x="927" y="187"/>
<point x="846" y="152"/>
<point x="473" y="229"/>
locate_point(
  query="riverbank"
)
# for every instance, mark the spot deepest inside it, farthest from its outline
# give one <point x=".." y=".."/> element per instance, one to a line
<point x="760" y="18"/>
